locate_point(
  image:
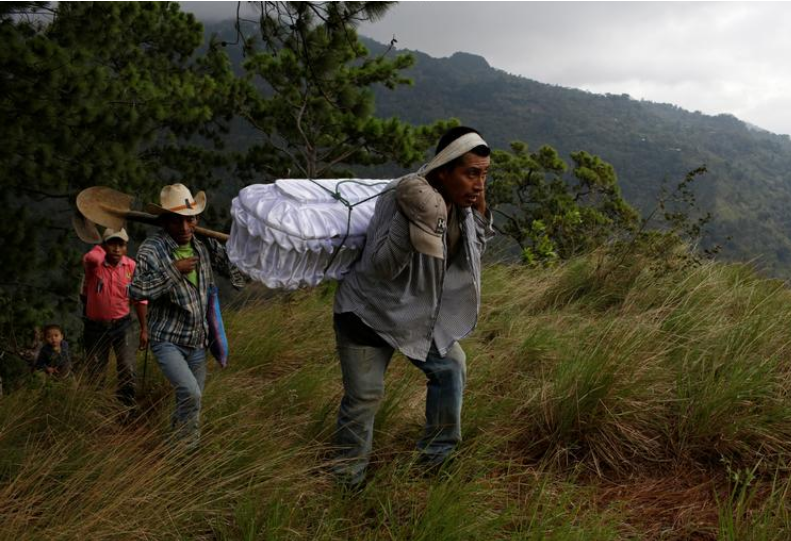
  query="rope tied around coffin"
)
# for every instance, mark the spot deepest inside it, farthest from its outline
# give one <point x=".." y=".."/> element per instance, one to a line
<point x="336" y="194"/>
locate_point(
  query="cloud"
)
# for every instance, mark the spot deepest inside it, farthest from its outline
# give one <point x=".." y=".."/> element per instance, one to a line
<point x="211" y="11"/>
<point x="716" y="57"/>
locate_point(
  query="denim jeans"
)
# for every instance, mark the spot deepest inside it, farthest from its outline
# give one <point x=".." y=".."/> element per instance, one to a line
<point x="363" y="368"/>
<point x="185" y="368"/>
<point x="119" y="336"/>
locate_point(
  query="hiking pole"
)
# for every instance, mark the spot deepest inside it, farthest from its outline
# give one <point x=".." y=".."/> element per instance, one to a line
<point x="145" y="365"/>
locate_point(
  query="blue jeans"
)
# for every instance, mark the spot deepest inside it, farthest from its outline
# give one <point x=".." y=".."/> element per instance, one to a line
<point x="185" y="368"/>
<point x="363" y="368"/>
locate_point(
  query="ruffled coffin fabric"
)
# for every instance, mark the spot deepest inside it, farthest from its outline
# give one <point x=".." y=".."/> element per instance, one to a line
<point x="284" y="234"/>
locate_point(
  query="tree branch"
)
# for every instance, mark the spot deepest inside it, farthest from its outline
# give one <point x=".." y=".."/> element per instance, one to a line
<point x="40" y="195"/>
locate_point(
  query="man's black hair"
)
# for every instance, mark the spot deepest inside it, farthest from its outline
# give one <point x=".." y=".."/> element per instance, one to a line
<point x="163" y="218"/>
<point x="50" y="327"/>
<point x="453" y="134"/>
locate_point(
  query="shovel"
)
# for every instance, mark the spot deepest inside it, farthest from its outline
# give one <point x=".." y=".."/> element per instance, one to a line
<point x="85" y="228"/>
<point x="112" y="209"/>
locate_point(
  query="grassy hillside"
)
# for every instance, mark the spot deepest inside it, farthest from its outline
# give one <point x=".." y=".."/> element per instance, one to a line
<point x="623" y="406"/>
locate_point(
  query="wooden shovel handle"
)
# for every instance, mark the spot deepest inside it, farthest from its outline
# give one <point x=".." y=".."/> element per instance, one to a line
<point x="146" y="218"/>
<point x="223" y="237"/>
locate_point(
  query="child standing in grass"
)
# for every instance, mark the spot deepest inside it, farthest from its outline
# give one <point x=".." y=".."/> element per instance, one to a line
<point x="53" y="358"/>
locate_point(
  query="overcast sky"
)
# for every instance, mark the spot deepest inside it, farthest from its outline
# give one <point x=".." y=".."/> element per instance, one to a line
<point x="715" y="57"/>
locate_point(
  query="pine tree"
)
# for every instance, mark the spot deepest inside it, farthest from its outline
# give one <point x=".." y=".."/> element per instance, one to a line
<point x="94" y="93"/>
<point x="310" y="93"/>
<point x="549" y="215"/>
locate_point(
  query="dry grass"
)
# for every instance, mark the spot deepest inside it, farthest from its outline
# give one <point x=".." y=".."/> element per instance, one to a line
<point x="625" y="406"/>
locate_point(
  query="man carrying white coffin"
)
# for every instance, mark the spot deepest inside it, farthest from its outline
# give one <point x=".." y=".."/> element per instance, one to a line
<point x="416" y="288"/>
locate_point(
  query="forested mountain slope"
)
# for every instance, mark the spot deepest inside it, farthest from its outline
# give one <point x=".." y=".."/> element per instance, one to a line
<point x="748" y="185"/>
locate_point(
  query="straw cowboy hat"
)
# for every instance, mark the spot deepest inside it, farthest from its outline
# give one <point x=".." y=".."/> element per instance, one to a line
<point x="177" y="198"/>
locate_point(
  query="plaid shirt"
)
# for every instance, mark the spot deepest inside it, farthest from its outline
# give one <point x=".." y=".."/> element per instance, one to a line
<point x="410" y="299"/>
<point x="177" y="309"/>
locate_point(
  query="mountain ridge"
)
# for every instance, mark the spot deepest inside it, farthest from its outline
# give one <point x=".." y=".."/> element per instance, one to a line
<point x="747" y="187"/>
<point x="651" y="145"/>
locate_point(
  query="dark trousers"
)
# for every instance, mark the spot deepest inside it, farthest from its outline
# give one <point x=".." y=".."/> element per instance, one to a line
<point x="99" y="338"/>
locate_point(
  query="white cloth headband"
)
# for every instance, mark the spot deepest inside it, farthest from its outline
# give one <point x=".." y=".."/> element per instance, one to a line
<point x="459" y="147"/>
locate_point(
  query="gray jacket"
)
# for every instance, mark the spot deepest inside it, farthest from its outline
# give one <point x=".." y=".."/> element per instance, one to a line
<point x="411" y="299"/>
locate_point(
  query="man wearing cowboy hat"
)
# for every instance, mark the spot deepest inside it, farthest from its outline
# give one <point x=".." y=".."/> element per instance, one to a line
<point x="416" y="289"/>
<point x="108" y="325"/>
<point x="174" y="274"/>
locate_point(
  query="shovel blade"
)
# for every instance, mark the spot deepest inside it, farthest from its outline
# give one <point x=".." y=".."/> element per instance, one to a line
<point x="85" y="229"/>
<point x="104" y="206"/>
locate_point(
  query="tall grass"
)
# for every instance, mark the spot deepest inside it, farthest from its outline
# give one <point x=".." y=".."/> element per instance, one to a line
<point x="599" y="406"/>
